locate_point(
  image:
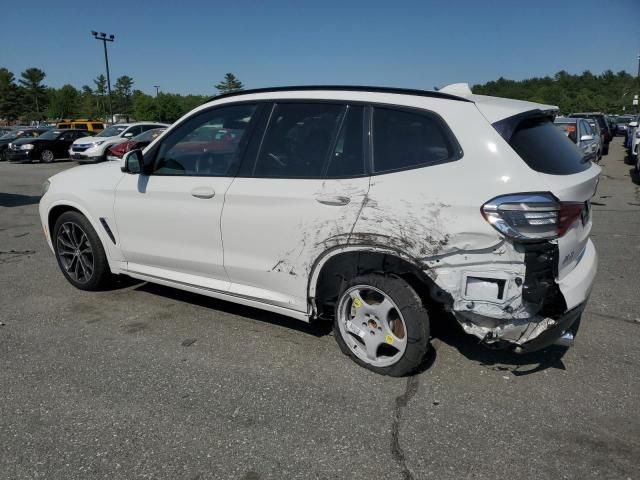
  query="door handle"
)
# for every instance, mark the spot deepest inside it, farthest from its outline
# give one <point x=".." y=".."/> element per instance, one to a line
<point x="203" y="192"/>
<point x="334" y="200"/>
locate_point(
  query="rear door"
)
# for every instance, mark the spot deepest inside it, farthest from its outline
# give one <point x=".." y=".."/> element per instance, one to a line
<point x="300" y="196"/>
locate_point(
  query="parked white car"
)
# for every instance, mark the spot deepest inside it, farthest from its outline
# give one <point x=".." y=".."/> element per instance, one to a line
<point x="93" y="149"/>
<point x="364" y="206"/>
<point x="633" y="135"/>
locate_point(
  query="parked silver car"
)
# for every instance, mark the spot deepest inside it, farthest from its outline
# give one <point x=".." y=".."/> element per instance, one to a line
<point x="581" y="132"/>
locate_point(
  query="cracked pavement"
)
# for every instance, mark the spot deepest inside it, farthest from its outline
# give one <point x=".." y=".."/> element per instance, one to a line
<point x="148" y="382"/>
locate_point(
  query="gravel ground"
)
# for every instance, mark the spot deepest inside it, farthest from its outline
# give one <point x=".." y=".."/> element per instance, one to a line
<point x="149" y="382"/>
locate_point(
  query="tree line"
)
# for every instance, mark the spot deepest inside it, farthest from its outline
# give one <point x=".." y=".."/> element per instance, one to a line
<point x="27" y="99"/>
<point x="608" y="92"/>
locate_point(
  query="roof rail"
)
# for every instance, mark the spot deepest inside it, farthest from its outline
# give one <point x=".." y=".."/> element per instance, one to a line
<point x="351" y="88"/>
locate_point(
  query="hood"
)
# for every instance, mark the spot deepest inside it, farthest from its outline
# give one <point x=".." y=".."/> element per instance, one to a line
<point x="25" y="140"/>
<point x="85" y="140"/>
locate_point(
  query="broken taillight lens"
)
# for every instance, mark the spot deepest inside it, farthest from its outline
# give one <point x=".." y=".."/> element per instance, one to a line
<point x="531" y="216"/>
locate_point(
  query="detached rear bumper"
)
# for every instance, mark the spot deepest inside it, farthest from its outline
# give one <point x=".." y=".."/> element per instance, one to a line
<point x="553" y="333"/>
<point x="541" y="319"/>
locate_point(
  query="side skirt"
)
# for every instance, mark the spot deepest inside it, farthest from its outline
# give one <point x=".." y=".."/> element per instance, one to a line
<point x="233" y="298"/>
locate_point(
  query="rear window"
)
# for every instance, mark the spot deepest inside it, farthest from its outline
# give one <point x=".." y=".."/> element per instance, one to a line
<point x="546" y="148"/>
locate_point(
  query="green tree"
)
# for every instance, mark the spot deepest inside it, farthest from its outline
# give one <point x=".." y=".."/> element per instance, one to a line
<point x="229" y="84"/>
<point x="9" y="96"/>
<point x="101" y="91"/>
<point x="64" y="102"/>
<point x="89" y="103"/>
<point x="144" y="106"/>
<point x="31" y="81"/>
<point x="123" y="91"/>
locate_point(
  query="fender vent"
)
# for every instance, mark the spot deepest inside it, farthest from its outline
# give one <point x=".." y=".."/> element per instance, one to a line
<point x="105" y="225"/>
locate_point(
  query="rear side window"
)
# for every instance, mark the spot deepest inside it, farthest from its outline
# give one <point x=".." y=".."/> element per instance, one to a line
<point x="97" y="126"/>
<point x="546" y="149"/>
<point x="63" y="125"/>
<point x="81" y="126"/>
<point x="298" y="140"/>
<point x="403" y="139"/>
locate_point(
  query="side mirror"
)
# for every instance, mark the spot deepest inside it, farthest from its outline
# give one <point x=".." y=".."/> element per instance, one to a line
<point x="132" y="162"/>
<point x="633" y="124"/>
<point x="128" y="135"/>
<point x="586" y="138"/>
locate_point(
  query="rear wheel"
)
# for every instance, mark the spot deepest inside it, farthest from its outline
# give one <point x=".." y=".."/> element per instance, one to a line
<point x="381" y="324"/>
<point x="3" y="156"/>
<point x="47" y="156"/>
<point x="80" y="253"/>
<point x="605" y="150"/>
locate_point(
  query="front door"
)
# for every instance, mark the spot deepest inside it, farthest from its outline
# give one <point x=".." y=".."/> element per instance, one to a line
<point x="299" y="197"/>
<point x="168" y="219"/>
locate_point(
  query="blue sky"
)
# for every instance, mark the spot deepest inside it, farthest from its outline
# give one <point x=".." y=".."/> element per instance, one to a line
<point x="187" y="46"/>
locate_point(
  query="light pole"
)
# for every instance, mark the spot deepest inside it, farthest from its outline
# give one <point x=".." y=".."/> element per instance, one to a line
<point x="106" y="38"/>
<point x="157" y="87"/>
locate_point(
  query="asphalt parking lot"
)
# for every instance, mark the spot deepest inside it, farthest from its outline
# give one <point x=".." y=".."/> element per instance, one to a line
<point x="148" y="382"/>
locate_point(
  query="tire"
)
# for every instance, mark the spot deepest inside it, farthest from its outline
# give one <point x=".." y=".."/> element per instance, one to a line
<point x="3" y="156"/>
<point x="70" y="246"/>
<point x="47" y="156"/>
<point x="605" y="150"/>
<point x="400" y="341"/>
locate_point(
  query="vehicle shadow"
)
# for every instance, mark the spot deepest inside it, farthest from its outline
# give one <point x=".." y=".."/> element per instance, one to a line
<point x="447" y="330"/>
<point x="444" y="329"/>
<point x="17" y="200"/>
<point x="317" y="329"/>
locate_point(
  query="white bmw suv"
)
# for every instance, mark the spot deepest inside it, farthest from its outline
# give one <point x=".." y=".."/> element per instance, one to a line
<point x="362" y="206"/>
<point x="93" y="149"/>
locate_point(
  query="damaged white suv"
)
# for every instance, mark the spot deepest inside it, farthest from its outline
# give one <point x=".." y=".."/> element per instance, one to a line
<point x="361" y="205"/>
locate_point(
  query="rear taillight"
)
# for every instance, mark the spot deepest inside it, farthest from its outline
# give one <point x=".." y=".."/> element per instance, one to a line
<point x="531" y="216"/>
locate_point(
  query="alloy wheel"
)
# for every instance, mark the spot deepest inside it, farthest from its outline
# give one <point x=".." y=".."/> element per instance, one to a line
<point x="47" y="156"/>
<point x="75" y="252"/>
<point x="372" y="325"/>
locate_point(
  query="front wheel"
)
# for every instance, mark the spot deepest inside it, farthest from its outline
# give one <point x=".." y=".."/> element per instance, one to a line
<point x="47" y="156"/>
<point x="381" y="324"/>
<point x="79" y="252"/>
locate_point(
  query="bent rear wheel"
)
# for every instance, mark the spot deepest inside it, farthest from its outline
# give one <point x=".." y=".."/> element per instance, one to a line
<point x="381" y="324"/>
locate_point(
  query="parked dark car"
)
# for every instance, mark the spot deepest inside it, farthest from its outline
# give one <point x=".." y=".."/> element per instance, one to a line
<point x="607" y="135"/>
<point x="139" y="141"/>
<point x="46" y="148"/>
<point x="6" y="139"/>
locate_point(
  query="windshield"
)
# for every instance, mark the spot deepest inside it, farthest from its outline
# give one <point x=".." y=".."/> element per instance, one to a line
<point x="9" y="136"/>
<point x="50" y="134"/>
<point x="149" y="135"/>
<point x="112" y="131"/>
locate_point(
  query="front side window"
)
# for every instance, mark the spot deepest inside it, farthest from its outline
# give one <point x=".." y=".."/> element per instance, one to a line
<point x="403" y="139"/>
<point x="298" y="140"/>
<point x="207" y="144"/>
